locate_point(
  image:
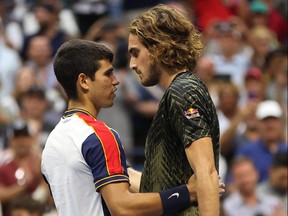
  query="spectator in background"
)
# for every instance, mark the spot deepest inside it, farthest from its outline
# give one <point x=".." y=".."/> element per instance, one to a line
<point x="232" y="59"/>
<point x="230" y="117"/>
<point x="47" y="17"/>
<point x="9" y="104"/>
<point x="21" y="173"/>
<point x="264" y="13"/>
<point x="11" y="27"/>
<point x="206" y="72"/>
<point x="245" y="200"/>
<point x="40" y="61"/>
<point x="39" y="58"/>
<point x="262" y="41"/>
<point x="277" y="184"/>
<point x="33" y="106"/>
<point x="254" y="86"/>
<point x="88" y="12"/>
<point x="112" y="34"/>
<point x="269" y="114"/>
<point x="9" y="64"/>
<point x="275" y="71"/>
<point x="258" y="13"/>
<point x="66" y="18"/>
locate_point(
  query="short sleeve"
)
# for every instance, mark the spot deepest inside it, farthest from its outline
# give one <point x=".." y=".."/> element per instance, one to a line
<point x="105" y="156"/>
<point x="189" y="114"/>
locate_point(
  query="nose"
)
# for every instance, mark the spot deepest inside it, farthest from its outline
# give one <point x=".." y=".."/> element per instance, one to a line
<point x="115" y="81"/>
<point x="132" y="64"/>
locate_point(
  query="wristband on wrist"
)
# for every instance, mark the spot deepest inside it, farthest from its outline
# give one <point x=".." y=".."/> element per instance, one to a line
<point x="175" y="199"/>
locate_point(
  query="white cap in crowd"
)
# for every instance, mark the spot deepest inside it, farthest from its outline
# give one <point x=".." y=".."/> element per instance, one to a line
<point x="268" y="108"/>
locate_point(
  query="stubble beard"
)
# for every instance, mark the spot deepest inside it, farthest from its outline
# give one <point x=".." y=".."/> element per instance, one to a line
<point x="153" y="75"/>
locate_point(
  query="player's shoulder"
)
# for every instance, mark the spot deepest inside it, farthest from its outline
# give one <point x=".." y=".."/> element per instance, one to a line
<point x="186" y="80"/>
<point x="186" y="83"/>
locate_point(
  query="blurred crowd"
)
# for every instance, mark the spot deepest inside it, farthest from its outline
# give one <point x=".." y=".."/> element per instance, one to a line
<point x="244" y="66"/>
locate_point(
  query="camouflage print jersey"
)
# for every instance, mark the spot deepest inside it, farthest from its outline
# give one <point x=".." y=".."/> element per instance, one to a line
<point x="186" y="113"/>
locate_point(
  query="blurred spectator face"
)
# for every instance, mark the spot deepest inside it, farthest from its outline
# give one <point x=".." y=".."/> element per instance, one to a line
<point x="255" y="89"/>
<point x="110" y="31"/>
<point x="25" y="79"/>
<point x="261" y="39"/>
<point x="45" y="15"/>
<point x="245" y="177"/>
<point x="254" y="84"/>
<point x="34" y="104"/>
<point x="229" y="37"/>
<point x="258" y="19"/>
<point x="279" y="178"/>
<point x="228" y="97"/>
<point x="205" y="69"/>
<point x="271" y="129"/>
<point x="258" y="13"/>
<point x="21" y="141"/>
<point x="278" y="65"/>
<point x="39" y="50"/>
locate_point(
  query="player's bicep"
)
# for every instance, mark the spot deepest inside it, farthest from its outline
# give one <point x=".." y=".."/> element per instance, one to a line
<point x="200" y="155"/>
<point x="114" y="195"/>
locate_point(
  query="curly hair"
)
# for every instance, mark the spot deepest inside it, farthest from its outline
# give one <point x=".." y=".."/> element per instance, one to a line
<point x="169" y="36"/>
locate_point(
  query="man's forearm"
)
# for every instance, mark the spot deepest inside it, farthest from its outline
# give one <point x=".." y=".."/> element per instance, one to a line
<point x="135" y="178"/>
<point x="208" y="194"/>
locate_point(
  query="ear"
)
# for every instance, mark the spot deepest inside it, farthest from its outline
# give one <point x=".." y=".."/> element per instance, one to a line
<point x="82" y="81"/>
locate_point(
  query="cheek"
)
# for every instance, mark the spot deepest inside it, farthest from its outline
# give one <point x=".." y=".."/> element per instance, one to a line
<point x="106" y="84"/>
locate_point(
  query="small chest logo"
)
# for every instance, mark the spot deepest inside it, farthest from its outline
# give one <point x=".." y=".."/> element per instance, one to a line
<point x="191" y="113"/>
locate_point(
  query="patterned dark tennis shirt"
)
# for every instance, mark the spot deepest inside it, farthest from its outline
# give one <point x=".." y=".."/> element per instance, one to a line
<point x="186" y="113"/>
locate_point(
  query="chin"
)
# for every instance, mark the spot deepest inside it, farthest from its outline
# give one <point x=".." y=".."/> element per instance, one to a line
<point x="148" y="83"/>
<point x="108" y="105"/>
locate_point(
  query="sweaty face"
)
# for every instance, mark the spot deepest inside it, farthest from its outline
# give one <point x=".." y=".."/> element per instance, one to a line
<point x="149" y="73"/>
<point x="102" y="89"/>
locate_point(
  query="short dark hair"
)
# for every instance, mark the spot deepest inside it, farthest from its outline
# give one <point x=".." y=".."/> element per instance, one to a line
<point x="75" y="57"/>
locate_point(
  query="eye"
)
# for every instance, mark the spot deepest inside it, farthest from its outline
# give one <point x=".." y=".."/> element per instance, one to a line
<point x="108" y="73"/>
<point x="134" y="53"/>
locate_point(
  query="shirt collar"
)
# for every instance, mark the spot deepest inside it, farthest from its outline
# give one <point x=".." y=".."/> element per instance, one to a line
<point x="71" y="112"/>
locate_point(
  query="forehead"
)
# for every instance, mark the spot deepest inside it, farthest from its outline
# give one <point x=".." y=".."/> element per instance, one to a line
<point x="134" y="42"/>
<point x="104" y="65"/>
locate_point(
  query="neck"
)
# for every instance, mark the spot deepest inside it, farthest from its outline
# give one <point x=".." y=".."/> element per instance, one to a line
<point x="167" y="77"/>
<point x="72" y="104"/>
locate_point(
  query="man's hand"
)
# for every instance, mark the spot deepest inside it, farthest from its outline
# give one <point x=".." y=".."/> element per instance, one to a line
<point x="192" y="187"/>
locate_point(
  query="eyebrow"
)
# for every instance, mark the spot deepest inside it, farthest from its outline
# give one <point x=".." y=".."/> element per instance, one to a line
<point x="109" y="70"/>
